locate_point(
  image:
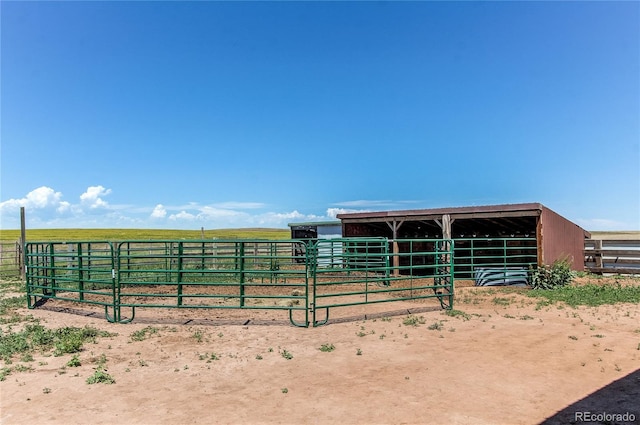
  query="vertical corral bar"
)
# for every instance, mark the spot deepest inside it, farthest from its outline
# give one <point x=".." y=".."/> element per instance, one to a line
<point x="115" y="280"/>
<point x="241" y="259"/>
<point x="87" y="263"/>
<point x="473" y="256"/>
<point x="28" y="276"/>
<point x="52" y="268"/>
<point x="311" y="271"/>
<point x="504" y="255"/>
<point x="385" y="255"/>
<point x="202" y="253"/>
<point x="451" y="276"/>
<point x="80" y="271"/>
<point x="180" y="263"/>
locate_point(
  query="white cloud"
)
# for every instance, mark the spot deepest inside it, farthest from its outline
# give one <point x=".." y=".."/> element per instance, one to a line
<point x="365" y="203"/>
<point x="42" y="197"/>
<point x="47" y="209"/>
<point x="182" y="215"/>
<point x="93" y="197"/>
<point x="239" y="205"/>
<point x="63" y="207"/>
<point x="275" y="219"/>
<point x="333" y="212"/>
<point x="159" y="211"/>
<point x="211" y="213"/>
<point x="603" y="224"/>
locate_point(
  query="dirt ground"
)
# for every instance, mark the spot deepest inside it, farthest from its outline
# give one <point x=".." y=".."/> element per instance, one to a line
<point x="503" y="358"/>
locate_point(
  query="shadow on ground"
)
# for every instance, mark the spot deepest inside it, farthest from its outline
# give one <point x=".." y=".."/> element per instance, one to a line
<point x="618" y="398"/>
<point x="220" y="317"/>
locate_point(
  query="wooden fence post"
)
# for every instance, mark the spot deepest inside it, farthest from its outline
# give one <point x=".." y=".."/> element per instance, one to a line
<point x="23" y="242"/>
<point x="597" y="255"/>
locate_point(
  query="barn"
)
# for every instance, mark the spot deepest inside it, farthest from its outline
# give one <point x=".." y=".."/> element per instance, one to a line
<point x="316" y="230"/>
<point x="508" y="236"/>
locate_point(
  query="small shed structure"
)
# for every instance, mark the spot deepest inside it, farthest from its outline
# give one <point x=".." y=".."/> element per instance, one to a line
<point x="555" y="236"/>
<point x="330" y="253"/>
<point x="316" y="230"/>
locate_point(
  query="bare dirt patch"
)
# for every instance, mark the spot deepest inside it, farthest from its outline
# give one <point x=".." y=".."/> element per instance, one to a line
<point x="500" y="357"/>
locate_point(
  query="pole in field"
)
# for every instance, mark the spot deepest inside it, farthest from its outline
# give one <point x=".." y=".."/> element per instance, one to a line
<point x="23" y="242"/>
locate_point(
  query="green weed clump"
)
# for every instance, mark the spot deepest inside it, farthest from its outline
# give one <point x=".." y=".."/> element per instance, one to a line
<point x="413" y="320"/>
<point x="100" y="376"/>
<point x="326" y="348"/>
<point x="286" y="354"/>
<point x="144" y="333"/>
<point x="557" y="275"/>
<point x="457" y="313"/>
<point x="590" y="295"/>
<point x="8" y="307"/>
<point x="35" y="337"/>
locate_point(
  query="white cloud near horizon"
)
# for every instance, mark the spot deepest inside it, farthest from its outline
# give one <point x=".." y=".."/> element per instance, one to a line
<point x="159" y="211"/>
<point x="333" y="212"/>
<point x="604" y="224"/>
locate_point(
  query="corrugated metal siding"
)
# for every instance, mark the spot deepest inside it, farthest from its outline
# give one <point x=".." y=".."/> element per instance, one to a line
<point x="330" y="232"/>
<point x="560" y="239"/>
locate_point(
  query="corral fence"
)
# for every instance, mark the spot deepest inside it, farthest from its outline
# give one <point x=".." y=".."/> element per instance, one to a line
<point x="612" y="256"/>
<point x="495" y="261"/>
<point x="305" y="278"/>
<point x="11" y="260"/>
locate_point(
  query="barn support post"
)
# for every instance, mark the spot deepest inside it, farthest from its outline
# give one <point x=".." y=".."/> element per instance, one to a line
<point x="539" y="241"/>
<point x="597" y="247"/>
<point x="445" y="225"/>
<point x="395" y="226"/>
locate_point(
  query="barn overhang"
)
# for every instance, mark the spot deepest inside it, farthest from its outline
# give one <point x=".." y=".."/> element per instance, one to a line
<point x="488" y="221"/>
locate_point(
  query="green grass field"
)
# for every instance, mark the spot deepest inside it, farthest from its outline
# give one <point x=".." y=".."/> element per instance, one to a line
<point x="111" y="235"/>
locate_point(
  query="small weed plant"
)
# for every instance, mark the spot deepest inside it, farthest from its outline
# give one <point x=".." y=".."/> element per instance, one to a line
<point x="557" y="275"/>
<point x="326" y="348"/>
<point x="74" y="362"/>
<point x="287" y="355"/>
<point x="100" y="376"/>
<point x="457" y="313"/>
<point x="143" y="333"/>
<point x="413" y="320"/>
<point x="436" y="326"/>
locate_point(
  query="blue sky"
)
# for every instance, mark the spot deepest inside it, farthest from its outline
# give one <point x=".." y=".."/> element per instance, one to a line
<point x="257" y="114"/>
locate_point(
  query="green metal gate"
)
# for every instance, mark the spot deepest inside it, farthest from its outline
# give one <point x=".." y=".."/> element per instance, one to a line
<point x="71" y="271"/>
<point x="241" y="274"/>
<point x="355" y="271"/>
